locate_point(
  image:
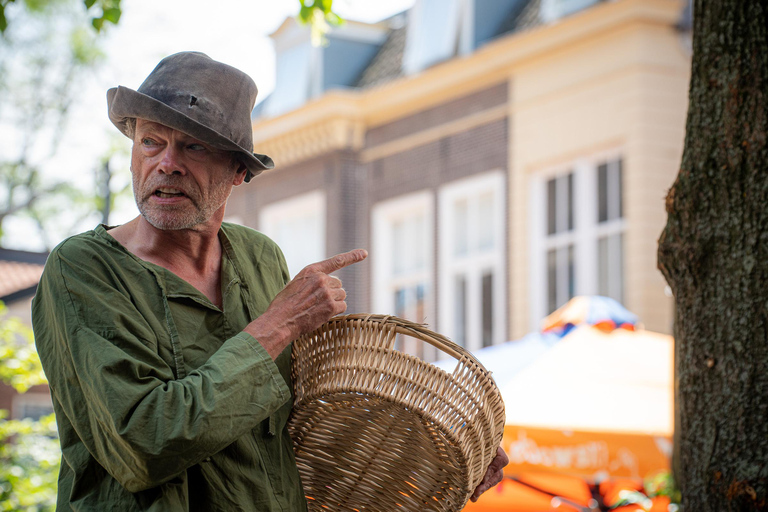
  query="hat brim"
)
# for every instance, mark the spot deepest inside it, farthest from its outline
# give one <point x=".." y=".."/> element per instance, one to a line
<point x="125" y="103"/>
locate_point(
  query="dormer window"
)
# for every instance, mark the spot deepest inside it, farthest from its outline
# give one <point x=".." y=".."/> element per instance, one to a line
<point x="434" y="33"/>
<point x="442" y="29"/>
<point x="552" y="10"/>
<point x="305" y="72"/>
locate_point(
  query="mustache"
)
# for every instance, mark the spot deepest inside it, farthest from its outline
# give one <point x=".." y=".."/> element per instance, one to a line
<point x="169" y="181"/>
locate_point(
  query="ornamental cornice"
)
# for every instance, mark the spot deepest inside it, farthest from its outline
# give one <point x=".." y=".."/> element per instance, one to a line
<point x="313" y="140"/>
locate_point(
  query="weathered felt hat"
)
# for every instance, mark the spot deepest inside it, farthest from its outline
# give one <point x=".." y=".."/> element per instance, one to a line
<point x="194" y="94"/>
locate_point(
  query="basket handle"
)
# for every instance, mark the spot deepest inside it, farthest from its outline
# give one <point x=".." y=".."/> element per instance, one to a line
<point x="418" y="331"/>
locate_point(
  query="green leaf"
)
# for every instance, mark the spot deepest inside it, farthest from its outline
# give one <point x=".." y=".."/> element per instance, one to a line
<point x="89" y="3"/>
<point x="305" y="14"/>
<point x="112" y="15"/>
<point x="97" y="23"/>
<point x="3" y="21"/>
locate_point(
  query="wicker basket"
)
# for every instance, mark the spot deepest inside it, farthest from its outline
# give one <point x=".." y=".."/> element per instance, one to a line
<point x="380" y="430"/>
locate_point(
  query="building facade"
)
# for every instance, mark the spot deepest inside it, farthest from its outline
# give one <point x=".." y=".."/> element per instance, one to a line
<point x="495" y="157"/>
<point x="20" y="272"/>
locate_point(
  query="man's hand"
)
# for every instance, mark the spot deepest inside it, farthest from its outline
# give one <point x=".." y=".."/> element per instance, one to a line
<point x="493" y="475"/>
<point x="306" y="303"/>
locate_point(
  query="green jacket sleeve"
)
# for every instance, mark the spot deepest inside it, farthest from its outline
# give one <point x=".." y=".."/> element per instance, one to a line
<point x="136" y="419"/>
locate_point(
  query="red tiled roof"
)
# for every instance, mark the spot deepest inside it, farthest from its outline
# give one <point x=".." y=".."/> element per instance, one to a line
<point x="16" y="276"/>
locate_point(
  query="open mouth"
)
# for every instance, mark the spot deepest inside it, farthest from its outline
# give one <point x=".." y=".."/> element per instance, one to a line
<point x="168" y="192"/>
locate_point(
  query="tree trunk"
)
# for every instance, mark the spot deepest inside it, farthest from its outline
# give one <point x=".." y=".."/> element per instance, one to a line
<point x="714" y="254"/>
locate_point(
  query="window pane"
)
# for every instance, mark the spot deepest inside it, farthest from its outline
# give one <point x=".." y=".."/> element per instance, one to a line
<point x="400" y="302"/>
<point x="616" y="248"/>
<point x="293" y="74"/>
<point x="419" y="313"/>
<point x="609" y="191"/>
<point x="569" y="201"/>
<point x="297" y="226"/>
<point x="400" y="308"/>
<point x="485" y="234"/>
<point x="398" y="237"/>
<point x="551" y="210"/>
<point x="460" y="227"/>
<point x="487" y="309"/>
<point x="602" y="193"/>
<point x="551" y="281"/>
<point x="571" y="276"/>
<point x="602" y="267"/>
<point x="566" y="7"/>
<point x="620" y="186"/>
<point x="460" y="310"/>
<point x="409" y="245"/>
<point x="434" y="35"/>
<point x="610" y="261"/>
<point x="410" y="304"/>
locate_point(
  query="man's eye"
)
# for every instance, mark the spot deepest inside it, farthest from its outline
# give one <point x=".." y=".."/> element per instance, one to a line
<point x="196" y="147"/>
<point x="147" y="142"/>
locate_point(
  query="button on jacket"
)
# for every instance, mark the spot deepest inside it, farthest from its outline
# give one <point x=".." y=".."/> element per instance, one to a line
<point x="162" y="402"/>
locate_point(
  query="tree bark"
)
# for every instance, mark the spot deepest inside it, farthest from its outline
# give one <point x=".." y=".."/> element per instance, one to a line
<point x="714" y="254"/>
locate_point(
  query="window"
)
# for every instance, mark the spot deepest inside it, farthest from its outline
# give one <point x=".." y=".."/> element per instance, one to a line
<point x="402" y="263"/>
<point x="297" y="225"/>
<point x="610" y="241"/>
<point x="435" y="32"/>
<point x="578" y="229"/>
<point x="560" y="241"/>
<point x="554" y="9"/>
<point x="471" y="261"/>
<point x="294" y="66"/>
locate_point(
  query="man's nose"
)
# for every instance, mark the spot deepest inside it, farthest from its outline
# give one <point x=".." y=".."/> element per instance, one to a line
<point x="172" y="161"/>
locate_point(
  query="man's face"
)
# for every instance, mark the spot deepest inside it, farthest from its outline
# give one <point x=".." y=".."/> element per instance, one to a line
<point x="180" y="182"/>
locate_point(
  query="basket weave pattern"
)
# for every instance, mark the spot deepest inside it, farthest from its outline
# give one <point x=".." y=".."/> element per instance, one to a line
<point x="380" y="430"/>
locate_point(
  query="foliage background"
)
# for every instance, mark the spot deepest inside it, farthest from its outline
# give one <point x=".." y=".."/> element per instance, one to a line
<point x="29" y="449"/>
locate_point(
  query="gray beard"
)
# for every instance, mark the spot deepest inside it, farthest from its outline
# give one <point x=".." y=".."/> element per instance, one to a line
<point x="173" y="218"/>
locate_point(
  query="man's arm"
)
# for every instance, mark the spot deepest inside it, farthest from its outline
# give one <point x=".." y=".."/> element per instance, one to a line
<point x="142" y="424"/>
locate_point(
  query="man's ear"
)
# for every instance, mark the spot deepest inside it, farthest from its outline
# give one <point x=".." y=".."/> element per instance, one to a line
<point x="241" y="172"/>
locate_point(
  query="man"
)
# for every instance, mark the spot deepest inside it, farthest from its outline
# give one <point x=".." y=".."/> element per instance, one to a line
<point x="166" y="340"/>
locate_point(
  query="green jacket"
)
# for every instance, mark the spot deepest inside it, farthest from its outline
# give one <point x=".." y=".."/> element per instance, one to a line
<point x="162" y="402"/>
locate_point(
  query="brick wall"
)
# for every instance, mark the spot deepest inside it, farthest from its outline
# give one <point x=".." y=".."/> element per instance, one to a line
<point x="354" y="187"/>
<point x="435" y="116"/>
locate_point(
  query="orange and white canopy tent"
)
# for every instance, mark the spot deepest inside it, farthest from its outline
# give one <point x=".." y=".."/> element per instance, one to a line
<point x="598" y="404"/>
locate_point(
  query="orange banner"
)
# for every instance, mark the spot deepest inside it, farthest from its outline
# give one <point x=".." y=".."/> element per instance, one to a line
<point x="586" y="454"/>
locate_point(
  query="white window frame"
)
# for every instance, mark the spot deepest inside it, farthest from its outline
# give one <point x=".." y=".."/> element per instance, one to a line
<point x="584" y="236"/>
<point x="271" y="215"/>
<point x="473" y="266"/>
<point x="385" y="214"/>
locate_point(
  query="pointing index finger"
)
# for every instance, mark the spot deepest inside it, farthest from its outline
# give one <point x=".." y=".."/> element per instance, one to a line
<point x="339" y="261"/>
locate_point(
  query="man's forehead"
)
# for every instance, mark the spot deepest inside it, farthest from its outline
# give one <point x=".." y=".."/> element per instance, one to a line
<point x="146" y="124"/>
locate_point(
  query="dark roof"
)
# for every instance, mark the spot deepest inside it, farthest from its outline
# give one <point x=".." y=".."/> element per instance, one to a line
<point x="387" y="65"/>
<point x="526" y="16"/>
<point x="20" y="272"/>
